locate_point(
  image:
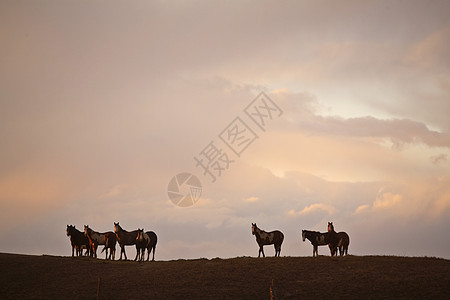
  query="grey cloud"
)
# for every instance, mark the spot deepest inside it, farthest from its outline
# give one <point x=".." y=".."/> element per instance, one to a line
<point x="440" y="158"/>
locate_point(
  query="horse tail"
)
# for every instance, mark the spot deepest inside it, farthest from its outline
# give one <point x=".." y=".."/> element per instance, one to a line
<point x="106" y="240"/>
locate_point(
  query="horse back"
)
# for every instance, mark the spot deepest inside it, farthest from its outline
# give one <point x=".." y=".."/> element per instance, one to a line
<point x="344" y="239"/>
<point x="127" y="237"/>
<point x="110" y="239"/>
<point x="153" y="238"/>
<point x="278" y="236"/>
<point x="79" y="239"/>
<point x="331" y="238"/>
<point x="268" y="238"/>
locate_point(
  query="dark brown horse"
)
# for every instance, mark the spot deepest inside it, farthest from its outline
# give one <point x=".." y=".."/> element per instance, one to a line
<point x="343" y="240"/>
<point x="97" y="238"/>
<point x="275" y="237"/>
<point x="125" y="238"/>
<point x="146" y="240"/>
<point x="110" y="243"/>
<point x="78" y="240"/>
<point x="320" y="239"/>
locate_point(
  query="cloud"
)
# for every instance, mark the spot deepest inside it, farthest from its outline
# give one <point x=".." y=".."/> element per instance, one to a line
<point x="431" y="52"/>
<point x="314" y="208"/>
<point x="387" y="201"/>
<point x="251" y="199"/>
<point x="116" y="191"/>
<point x="384" y="202"/>
<point x="438" y="159"/>
<point x="362" y="208"/>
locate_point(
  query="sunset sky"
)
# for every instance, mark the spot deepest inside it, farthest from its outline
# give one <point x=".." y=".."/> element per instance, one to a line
<point x="103" y="102"/>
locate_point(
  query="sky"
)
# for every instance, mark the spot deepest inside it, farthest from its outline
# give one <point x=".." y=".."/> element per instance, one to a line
<point x="102" y="103"/>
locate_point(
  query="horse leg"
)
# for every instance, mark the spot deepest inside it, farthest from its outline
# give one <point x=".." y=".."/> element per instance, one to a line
<point x="141" y="254"/>
<point x="138" y="252"/>
<point x="154" y="249"/>
<point x="277" y="250"/>
<point x="125" y="253"/>
<point x="122" y="250"/>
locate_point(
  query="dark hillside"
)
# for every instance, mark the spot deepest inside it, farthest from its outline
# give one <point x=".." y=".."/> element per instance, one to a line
<point x="25" y="277"/>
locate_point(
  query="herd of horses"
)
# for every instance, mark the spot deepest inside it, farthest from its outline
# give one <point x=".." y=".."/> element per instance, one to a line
<point x="335" y="240"/>
<point x="89" y="240"/>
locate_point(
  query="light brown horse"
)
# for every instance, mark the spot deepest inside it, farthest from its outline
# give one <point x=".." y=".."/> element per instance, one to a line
<point x="343" y="240"/>
<point x="275" y="237"/>
<point x="125" y="238"/>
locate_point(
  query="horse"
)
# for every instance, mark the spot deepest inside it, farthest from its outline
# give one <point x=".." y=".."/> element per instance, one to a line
<point x="343" y="240"/>
<point x="78" y="241"/>
<point x="320" y="239"/>
<point x="97" y="238"/>
<point x="275" y="237"/>
<point x="146" y="240"/>
<point x="110" y="243"/>
<point x="125" y="238"/>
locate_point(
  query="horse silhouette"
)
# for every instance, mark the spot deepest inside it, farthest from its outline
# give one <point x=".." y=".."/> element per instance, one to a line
<point x="78" y="241"/>
<point x="110" y="243"/>
<point x="343" y="240"/>
<point x="263" y="238"/>
<point x="125" y="238"/>
<point x="97" y="238"/>
<point x="321" y="239"/>
<point x="146" y="240"/>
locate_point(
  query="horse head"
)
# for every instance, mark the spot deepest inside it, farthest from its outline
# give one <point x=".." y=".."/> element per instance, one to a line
<point x="330" y="226"/>
<point x="117" y="227"/>
<point x="69" y="230"/>
<point x="304" y="235"/>
<point x="254" y="227"/>
<point x="86" y="229"/>
<point x="140" y="235"/>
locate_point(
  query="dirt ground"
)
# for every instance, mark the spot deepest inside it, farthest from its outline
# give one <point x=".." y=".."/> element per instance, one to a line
<point x="52" y="277"/>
